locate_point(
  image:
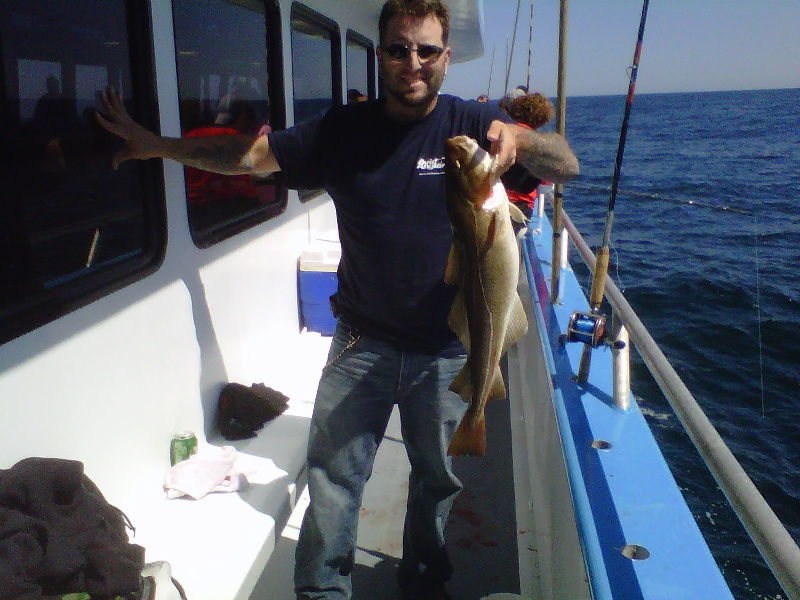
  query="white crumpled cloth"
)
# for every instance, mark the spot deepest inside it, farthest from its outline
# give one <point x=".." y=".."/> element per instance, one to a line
<point x="218" y="470"/>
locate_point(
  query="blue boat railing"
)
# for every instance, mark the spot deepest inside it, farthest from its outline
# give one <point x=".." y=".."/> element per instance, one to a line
<point x="773" y="541"/>
<point x="633" y="526"/>
<point x="590" y="542"/>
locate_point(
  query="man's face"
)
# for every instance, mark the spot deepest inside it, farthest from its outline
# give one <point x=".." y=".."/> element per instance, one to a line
<point x="413" y="62"/>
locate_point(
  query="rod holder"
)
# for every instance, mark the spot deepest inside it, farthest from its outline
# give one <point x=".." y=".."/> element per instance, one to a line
<point x="621" y="363"/>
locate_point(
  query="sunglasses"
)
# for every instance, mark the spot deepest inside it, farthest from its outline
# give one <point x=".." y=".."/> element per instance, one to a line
<point x="425" y="52"/>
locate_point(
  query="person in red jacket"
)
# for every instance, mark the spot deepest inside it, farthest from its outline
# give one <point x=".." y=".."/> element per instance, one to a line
<point x="531" y="111"/>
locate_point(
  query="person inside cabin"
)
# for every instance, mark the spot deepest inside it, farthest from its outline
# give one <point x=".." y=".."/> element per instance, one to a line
<point x="382" y="163"/>
<point x="53" y="111"/>
<point x="354" y="95"/>
<point x="531" y="111"/>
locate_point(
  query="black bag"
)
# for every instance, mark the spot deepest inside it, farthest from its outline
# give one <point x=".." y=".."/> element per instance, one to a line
<point x="242" y="411"/>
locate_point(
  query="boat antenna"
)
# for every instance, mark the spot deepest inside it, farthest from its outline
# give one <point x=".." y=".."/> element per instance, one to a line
<point x="530" y="49"/>
<point x="601" y="266"/>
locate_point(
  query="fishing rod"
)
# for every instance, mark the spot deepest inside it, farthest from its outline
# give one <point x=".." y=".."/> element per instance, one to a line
<point x="491" y="69"/>
<point x="590" y="328"/>
<point x="559" y="238"/>
<point x="530" y="49"/>
<point x="510" y="57"/>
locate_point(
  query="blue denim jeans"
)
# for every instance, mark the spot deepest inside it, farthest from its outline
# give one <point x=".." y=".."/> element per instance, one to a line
<point x="356" y="394"/>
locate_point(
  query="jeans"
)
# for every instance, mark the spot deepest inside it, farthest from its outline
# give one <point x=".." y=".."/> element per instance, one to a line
<point x="358" y="389"/>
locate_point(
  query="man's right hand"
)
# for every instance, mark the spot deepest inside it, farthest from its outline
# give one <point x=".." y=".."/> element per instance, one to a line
<point x="140" y="143"/>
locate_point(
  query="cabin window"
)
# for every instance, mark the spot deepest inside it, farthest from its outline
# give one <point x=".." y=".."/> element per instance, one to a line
<point x="316" y="68"/>
<point x="227" y="57"/>
<point x="72" y="229"/>
<point x="360" y="61"/>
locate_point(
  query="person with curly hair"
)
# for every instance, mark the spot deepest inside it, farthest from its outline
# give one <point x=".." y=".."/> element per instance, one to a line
<point x="531" y="111"/>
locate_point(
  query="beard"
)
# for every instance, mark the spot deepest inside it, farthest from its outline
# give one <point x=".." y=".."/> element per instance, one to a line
<point x="413" y="98"/>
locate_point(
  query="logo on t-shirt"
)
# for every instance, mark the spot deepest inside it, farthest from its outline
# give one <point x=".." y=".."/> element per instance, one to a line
<point x="430" y="166"/>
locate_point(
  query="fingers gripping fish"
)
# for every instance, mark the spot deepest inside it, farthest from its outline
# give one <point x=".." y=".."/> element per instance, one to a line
<point x="487" y="313"/>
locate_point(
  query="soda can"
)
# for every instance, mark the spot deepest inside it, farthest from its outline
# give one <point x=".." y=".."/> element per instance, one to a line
<point x="182" y="446"/>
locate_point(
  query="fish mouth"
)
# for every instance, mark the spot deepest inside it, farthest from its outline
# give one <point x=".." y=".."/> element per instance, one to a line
<point x="452" y="146"/>
<point x="467" y="152"/>
<point x="475" y="168"/>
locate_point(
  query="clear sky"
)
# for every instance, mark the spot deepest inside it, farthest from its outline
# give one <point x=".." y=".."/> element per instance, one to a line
<point x="689" y="45"/>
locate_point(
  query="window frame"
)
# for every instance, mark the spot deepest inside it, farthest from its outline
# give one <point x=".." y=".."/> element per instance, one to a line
<point x="315" y="19"/>
<point x="276" y="97"/>
<point x="78" y="291"/>
<point x="357" y="39"/>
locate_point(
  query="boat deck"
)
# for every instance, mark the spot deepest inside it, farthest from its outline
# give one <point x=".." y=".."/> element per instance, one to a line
<point x="481" y="532"/>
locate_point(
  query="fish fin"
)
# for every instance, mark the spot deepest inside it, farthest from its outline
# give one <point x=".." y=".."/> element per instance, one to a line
<point x="516" y="214"/>
<point x="497" y="390"/>
<point x="452" y="272"/>
<point x="457" y="319"/>
<point x="462" y="384"/>
<point x="470" y="438"/>
<point x="491" y="232"/>
<point x="517" y="325"/>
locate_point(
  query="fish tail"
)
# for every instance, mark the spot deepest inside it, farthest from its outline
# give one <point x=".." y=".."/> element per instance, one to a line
<point x="470" y="438"/>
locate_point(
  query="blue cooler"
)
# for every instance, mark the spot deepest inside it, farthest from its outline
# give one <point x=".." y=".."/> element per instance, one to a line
<point x="317" y="282"/>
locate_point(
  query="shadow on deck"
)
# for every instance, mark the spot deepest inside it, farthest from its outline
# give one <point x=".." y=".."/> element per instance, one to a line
<point x="481" y="532"/>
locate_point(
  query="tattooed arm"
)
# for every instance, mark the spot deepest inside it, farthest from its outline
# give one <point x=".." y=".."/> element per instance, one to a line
<point x="226" y="154"/>
<point x="545" y="155"/>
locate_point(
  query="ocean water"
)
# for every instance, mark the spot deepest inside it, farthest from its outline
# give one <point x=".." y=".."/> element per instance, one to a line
<point x="718" y="289"/>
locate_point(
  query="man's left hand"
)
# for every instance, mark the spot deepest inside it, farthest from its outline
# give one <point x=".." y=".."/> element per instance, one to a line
<point x="504" y="145"/>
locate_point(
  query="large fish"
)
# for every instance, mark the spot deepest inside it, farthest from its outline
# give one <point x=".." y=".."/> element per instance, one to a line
<point x="487" y="313"/>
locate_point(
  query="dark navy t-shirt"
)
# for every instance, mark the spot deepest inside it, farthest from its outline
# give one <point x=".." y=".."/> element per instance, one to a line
<point x="387" y="181"/>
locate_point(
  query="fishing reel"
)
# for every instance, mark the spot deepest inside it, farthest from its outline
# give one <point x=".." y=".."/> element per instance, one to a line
<point x="586" y="327"/>
<point x="590" y="329"/>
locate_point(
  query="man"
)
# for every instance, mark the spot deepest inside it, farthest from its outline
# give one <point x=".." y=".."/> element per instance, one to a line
<point x="382" y="163"/>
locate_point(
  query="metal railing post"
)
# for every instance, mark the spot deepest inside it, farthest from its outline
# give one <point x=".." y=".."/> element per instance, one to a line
<point x="541" y="200"/>
<point x="621" y="361"/>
